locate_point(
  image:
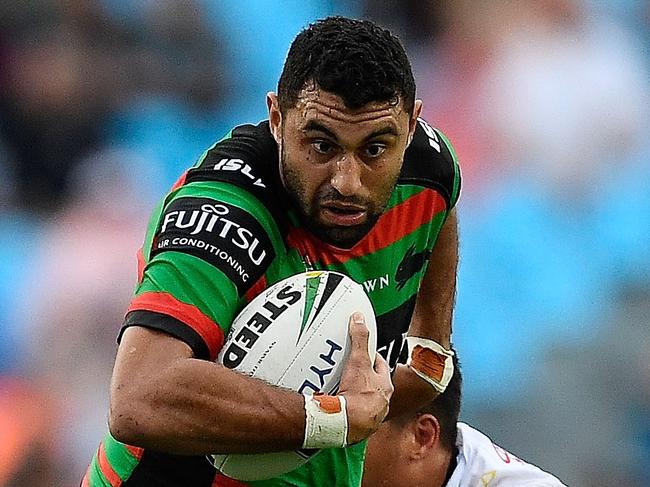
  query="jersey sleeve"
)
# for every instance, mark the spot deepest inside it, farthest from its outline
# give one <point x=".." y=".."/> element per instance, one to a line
<point x="207" y="245"/>
<point x="481" y="461"/>
<point x="431" y="161"/>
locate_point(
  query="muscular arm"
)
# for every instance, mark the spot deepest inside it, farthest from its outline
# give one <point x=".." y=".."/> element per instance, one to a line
<point x="432" y="316"/>
<point x="162" y="398"/>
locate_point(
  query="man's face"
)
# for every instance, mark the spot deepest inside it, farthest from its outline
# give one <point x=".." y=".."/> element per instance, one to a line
<point x="340" y="165"/>
<point x="386" y="464"/>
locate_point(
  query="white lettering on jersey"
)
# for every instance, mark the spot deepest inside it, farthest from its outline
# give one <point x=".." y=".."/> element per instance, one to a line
<point x="434" y="141"/>
<point x="238" y="165"/>
<point x="376" y="283"/>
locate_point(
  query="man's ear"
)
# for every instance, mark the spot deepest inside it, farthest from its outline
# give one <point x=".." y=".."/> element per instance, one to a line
<point x="413" y="122"/>
<point x="275" y="115"/>
<point x="426" y="435"/>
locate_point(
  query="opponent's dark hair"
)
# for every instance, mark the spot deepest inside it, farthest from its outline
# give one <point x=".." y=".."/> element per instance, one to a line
<point x="446" y="407"/>
<point x="356" y="60"/>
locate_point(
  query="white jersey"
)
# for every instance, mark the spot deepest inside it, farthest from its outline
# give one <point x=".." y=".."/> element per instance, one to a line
<point x="481" y="463"/>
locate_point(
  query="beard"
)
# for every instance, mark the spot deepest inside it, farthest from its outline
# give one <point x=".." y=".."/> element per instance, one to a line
<point x="309" y="211"/>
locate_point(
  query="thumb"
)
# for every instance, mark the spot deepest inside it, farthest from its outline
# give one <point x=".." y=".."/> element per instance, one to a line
<point x="359" y="334"/>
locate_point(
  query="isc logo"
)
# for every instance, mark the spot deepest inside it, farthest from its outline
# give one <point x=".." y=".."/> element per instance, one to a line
<point x="238" y="165"/>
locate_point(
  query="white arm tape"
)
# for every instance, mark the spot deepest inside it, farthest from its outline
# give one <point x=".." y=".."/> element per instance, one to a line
<point x="430" y="361"/>
<point x="326" y="422"/>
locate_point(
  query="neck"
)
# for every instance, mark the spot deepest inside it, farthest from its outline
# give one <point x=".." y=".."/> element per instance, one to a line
<point x="440" y="469"/>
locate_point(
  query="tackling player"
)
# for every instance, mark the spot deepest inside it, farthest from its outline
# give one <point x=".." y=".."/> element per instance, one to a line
<point x="431" y="448"/>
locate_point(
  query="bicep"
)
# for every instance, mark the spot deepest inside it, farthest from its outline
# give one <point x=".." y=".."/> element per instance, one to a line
<point x="436" y="296"/>
<point x="142" y="354"/>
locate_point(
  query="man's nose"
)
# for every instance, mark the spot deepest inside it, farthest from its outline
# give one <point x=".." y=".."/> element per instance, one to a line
<point x="346" y="178"/>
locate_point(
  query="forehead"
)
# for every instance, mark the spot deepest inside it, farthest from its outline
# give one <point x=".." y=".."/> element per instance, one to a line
<point x="315" y="104"/>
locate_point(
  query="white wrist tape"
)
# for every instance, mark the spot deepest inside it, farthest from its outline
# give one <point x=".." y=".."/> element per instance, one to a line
<point x="431" y="361"/>
<point x="326" y="422"/>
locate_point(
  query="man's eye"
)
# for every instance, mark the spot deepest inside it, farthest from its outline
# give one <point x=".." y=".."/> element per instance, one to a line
<point x="375" y="150"/>
<point x="321" y="146"/>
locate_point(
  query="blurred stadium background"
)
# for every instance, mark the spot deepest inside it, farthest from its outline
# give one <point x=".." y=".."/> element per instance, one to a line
<point x="104" y="102"/>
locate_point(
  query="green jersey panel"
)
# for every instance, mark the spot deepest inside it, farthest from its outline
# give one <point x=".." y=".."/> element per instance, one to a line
<point x="207" y="245"/>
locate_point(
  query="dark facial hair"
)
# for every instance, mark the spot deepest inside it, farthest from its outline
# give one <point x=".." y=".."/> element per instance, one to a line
<point x="340" y="236"/>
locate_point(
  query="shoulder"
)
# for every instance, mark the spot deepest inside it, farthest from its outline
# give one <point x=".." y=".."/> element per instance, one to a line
<point x="482" y="460"/>
<point x="242" y="168"/>
<point x="226" y="210"/>
<point x="431" y="161"/>
<point x="247" y="157"/>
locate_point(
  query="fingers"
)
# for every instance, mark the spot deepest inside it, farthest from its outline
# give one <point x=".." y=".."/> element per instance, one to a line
<point x="381" y="366"/>
<point x="382" y="369"/>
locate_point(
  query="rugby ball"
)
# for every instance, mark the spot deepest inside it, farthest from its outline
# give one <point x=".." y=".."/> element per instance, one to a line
<point x="295" y="334"/>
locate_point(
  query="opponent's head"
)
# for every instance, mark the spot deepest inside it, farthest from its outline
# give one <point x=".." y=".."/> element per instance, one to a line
<point x="343" y="116"/>
<point x="416" y="449"/>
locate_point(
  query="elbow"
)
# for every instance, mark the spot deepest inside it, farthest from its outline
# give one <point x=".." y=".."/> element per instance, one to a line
<point x="124" y="426"/>
<point x="127" y="423"/>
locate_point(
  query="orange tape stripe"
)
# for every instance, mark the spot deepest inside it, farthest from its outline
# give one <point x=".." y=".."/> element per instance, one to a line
<point x="430" y="363"/>
<point x="329" y="404"/>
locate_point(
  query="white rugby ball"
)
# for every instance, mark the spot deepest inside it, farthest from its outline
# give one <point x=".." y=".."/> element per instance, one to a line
<point x="295" y="334"/>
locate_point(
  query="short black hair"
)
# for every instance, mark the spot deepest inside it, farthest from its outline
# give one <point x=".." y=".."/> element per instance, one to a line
<point x="356" y="60"/>
<point x="446" y="407"/>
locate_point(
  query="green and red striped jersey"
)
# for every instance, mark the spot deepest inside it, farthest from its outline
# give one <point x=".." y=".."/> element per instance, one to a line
<point x="225" y="232"/>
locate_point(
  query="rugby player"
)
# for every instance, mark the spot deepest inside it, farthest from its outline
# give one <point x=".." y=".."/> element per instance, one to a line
<point x="342" y="176"/>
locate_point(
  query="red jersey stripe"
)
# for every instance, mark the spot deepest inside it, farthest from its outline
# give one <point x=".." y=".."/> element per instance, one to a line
<point x="165" y="303"/>
<point x="106" y="468"/>
<point x="180" y="182"/>
<point x="136" y="451"/>
<point x="393" y="225"/>
<point x="220" y="480"/>
<point x="256" y="288"/>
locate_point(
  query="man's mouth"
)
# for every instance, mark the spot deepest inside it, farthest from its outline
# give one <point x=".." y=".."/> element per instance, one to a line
<point x="343" y="214"/>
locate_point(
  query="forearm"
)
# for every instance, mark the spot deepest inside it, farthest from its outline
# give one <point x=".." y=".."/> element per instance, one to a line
<point x="434" y="305"/>
<point x="163" y="399"/>
<point x="411" y="392"/>
<point x="431" y="318"/>
<point x="191" y="406"/>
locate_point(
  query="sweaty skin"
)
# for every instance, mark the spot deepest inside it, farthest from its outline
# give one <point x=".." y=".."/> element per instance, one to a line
<point x="340" y="165"/>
